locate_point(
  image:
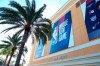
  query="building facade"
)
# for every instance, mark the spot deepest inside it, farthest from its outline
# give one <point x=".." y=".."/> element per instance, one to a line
<point x="75" y="37"/>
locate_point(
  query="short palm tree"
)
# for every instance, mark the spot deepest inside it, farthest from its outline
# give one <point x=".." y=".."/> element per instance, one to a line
<point x="28" y="19"/>
<point x="5" y="52"/>
<point x="12" y="43"/>
<point x="1" y="61"/>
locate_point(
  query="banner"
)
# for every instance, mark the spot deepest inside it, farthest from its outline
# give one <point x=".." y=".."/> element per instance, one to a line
<point x="39" y="49"/>
<point x="61" y="33"/>
<point x="92" y="18"/>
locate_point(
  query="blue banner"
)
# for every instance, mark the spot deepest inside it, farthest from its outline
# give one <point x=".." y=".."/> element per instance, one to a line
<point x="92" y="18"/>
<point x="61" y="33"/>
<point x="39" y="49"/>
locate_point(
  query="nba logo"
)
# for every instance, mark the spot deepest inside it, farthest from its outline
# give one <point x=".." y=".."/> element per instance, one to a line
<point x="55" y="33"/>
<point x="55" y="36"/>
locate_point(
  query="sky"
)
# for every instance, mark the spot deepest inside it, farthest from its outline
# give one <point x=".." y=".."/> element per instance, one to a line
<point x="52" y="7"/>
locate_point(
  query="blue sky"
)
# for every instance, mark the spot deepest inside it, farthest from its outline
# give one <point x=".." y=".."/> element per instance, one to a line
<point x="52" y="5"/>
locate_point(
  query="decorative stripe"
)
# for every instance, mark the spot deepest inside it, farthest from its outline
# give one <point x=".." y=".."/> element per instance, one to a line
<point x="90" y="59"/>
<point x="86" y="45"/>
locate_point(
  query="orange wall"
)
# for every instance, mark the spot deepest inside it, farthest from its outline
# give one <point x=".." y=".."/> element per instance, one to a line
<point x="82" y="52"/>
<point x="79" y="31"/>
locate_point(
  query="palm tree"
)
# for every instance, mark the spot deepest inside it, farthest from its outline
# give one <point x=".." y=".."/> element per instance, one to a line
<point x="23" y="59"/>
<point x="29" y="20"/>
<point x="6" y="52"/>
<point x="1" y="63"/>
<point x="12" y="43"/>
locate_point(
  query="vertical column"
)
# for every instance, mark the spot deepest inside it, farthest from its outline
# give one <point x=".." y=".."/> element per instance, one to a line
<point x="47" y="48"/>
<point x="80" y="33"/>
<point x="82" y="25"/>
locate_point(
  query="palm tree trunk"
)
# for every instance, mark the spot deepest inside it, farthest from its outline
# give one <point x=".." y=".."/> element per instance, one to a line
<point x="10" y="57"/>
<point x="25" y="37"/>
<point x="6" y="59"/>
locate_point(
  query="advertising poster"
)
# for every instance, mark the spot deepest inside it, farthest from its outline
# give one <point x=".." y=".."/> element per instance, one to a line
<point x="91" y="14"/>
<point x="61" y="33"/>
<point x="39" y="49"/>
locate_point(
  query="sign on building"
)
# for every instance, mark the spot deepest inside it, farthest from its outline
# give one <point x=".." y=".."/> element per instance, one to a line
<point x="61" y="33"/>
<point x="91" y="14"/>
<point x="39" y="49"/>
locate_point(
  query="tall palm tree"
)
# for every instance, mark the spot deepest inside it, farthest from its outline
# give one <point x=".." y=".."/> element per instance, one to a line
<point x="12" y="43"/>
<point x="28" y="19"/>
<point x="23" y="59"/>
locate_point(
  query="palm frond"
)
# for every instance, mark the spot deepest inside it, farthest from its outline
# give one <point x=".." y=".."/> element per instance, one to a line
<point x="10" y="19"/>
<point x="38" y="14"/>
<point x="40" y="35"/>
<point x="10" y="28"/>
<point x="10" y="23"/>
<point x="45" y="27"/>
<point x="2" y="46"/>
<point x="19" y="8"/>
<point x="15" y="39"/>
<point x="6" y="42"/>
<point x="19" y="32"/>
<point x="43" y="37"/>
<point x="47" y="31"/>
<point x="10" y="39"/>
<point x="5" y="51"/>
<point x="48" y="21"/>
<point x="41" y="9"/>
<point x="36" y="35"/>
<point x="5" y="10"/>
<point x="29" y="14"/>
<point x="28" y="4"/>
<point x="6" y="15"/>
<point x="33" y="6"/>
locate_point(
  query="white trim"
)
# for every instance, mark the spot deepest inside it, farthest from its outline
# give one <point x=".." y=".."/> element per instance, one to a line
<point x="92" y="43"/>
<point x="90" y="59"/>
<point x="71" y="38"/>
<point x="61" y="8"/>
<point x="64" y="11"/>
